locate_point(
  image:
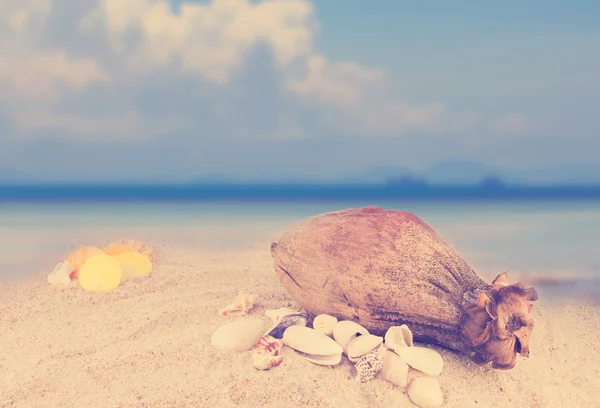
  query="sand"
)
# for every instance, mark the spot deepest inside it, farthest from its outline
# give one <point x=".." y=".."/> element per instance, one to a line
<point x="147" y="344"/>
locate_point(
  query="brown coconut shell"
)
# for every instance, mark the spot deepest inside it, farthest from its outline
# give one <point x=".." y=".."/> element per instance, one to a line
<point x="383" y="268"/>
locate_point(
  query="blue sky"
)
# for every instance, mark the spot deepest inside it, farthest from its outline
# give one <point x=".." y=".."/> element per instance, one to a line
<point x="143" y="90"/>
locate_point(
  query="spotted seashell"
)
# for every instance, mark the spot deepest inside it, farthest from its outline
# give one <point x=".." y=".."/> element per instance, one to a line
<point x="266" y="354"/>
<point x="369" y="365"/>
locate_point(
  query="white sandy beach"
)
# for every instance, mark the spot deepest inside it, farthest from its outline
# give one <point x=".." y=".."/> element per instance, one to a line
<point x="147" y="344"/>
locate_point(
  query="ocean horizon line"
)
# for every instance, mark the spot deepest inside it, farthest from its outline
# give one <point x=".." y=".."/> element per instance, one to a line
<point x="292" y="191"/>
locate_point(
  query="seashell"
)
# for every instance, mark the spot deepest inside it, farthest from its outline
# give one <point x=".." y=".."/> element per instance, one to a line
<point x="78" y="257"/>
<point x="100" y="273"/>
<point x="394" y="370"/>
<point x="60" y="275"/>
<point x="325" y="324"/>
<point x="425" y="392"/>
<point x="315" y="346"/>
<point x="345" y="331"/>
<point x="240" y="306"/>
<point x="330" y="360"/>
<point x="292" y="319"/>
<point x="277" y="314"/>
<point x="266" y="361"/>
<point x="362" y="345"/>
<point x="133" y="265"/>
<point x="239" y="335"/>
<point x="116" y="249"/>
<point x="398" y="336"/>
<point x="423" y="359"/>
<point x="266" y="354"/>
<point x="268" y="345"/>
<point x="130" y="245"/>
<point x="369" y="365"/>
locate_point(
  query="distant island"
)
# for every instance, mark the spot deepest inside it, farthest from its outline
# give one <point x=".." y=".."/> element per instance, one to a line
<point x="491" y="182"/>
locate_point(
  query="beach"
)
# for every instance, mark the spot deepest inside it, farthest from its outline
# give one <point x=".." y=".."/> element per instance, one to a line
<point x="156" y="155"/>
<point x="147" y="344"/>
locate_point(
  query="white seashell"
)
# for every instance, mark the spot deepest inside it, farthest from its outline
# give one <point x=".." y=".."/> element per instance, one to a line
<point x="240" y="335"/>
<point x="425" y="392"/>
<point x="394" y="370"/>
<point x="266" y="354"/>
<point x="325" y="324"/>
<point x="423" y="359"/>
<point x="240" y="306"/>
<point x="60" y="274"/>
<point x="310" y="341"/>
<point x="398" y="336"/>
<point x="330" y="360"/>
<point x="265" y="361"/>
<point x="277" y="314"/>
<point x="369" y="365"/>
<point x="346" y="331"/>
<point x="361" y="345"/>
<point x="313" y="345"/>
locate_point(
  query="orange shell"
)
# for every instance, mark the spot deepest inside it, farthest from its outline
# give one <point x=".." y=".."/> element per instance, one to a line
<point x="130" y="245"/>
<point x="78" y="257"/>
<point x="114" y="249"/>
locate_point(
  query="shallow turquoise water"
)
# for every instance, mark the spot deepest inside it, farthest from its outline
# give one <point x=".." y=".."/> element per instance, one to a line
<point x="526" y="238"/>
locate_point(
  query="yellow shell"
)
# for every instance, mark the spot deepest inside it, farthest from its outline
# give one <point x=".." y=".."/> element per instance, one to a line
<point x="133" y="265"/>
<point x="130" y="245"/>
<point x="78" y="257"/>
<point x="100" y="273"/>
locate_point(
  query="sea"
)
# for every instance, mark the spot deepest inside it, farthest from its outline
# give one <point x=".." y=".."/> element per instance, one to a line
<point x="555" y="243"/>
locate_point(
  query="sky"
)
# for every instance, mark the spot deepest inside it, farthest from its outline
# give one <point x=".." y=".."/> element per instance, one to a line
<point x="286" y="90"/>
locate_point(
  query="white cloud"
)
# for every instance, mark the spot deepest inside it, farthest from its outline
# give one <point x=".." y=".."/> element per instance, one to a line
<point x="363" y="104"/>
<point x="396" y="117"/>
<point x="28" y="73"/>
<point x="125" y="126"/>
<point x="211" y="39"/>
<point x="37" y="76"/>
<point x="341" y="83"/>
<point x="52" y="83"/>
<point x="26" y="17"/>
